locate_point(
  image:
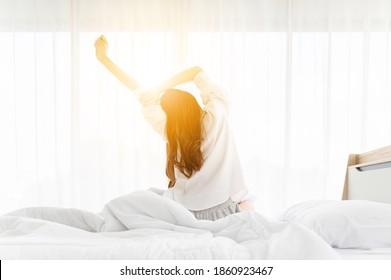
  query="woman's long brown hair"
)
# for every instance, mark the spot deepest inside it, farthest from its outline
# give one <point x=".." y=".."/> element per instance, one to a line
<point x="183" y="132"/>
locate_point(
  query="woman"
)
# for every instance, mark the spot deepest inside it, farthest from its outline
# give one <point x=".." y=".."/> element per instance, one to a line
<point x="202" y="164"/>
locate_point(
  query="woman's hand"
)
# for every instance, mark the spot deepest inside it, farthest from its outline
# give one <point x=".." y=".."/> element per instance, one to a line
<point x="101" y="46"/>
<point x="246" y="206"/>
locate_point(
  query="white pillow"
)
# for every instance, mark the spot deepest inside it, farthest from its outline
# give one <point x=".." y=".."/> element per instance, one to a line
<point x="357" y="224"/>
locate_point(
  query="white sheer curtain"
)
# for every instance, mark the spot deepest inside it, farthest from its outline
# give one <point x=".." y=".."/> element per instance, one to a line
<point x="308" y="80"/>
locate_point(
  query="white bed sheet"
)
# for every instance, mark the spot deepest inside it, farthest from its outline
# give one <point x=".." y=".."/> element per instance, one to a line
<point x="144" y="225"/>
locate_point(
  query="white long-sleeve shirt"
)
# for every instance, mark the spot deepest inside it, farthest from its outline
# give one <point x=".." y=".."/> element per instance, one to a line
<point x="221" y="176"/>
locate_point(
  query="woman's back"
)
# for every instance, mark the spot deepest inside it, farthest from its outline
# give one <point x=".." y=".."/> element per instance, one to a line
<point x="220" y="177"/>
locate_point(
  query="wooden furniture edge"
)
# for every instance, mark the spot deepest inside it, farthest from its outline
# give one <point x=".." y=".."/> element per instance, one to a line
<point x="374" y="156"/>
<point x="352" y="160"/>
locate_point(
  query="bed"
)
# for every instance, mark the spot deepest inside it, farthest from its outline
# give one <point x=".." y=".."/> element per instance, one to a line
<point x="146" y="225"/>
<point x="358" y="226"/>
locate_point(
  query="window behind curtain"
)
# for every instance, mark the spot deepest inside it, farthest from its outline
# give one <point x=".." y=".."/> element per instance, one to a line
<point x="308" y="81"/>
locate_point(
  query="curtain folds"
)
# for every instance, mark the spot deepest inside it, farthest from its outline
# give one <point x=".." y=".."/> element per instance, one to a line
<point x="309" y="81"/>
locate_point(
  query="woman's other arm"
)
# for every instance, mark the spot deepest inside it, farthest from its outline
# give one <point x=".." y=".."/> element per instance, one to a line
<point x="182" y="77"/>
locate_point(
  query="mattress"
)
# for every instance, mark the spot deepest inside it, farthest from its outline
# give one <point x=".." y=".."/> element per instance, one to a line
<point x="370" y="254"/>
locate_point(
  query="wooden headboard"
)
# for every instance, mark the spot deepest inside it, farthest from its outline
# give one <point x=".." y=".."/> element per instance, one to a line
<point x="366" y="169"/>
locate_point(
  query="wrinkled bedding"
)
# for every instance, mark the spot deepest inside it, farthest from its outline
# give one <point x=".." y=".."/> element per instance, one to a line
<point x="145" y="225"/>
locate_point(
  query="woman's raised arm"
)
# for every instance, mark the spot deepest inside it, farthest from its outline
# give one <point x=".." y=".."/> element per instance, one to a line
<point x="101" y="46"/>
<point x="144" y="96"/>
